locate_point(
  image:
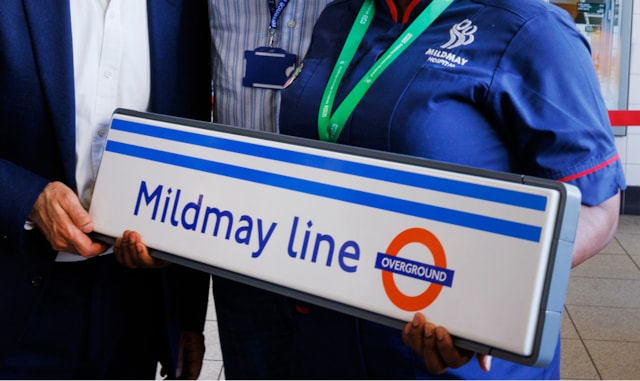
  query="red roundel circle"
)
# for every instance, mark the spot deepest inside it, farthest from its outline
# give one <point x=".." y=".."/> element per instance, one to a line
<point x="421" y="301"/>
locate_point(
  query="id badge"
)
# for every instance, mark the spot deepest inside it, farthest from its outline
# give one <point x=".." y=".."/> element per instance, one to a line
<point x="268" y="67"/>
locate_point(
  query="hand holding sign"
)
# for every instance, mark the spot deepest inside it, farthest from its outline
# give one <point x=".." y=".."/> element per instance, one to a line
<point x="58" y="213"/>
<point x="132" y="253"/>
<point x="436" y="347"/>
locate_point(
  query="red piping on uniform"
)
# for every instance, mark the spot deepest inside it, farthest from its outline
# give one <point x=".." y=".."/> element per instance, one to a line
<point x="394" y="10"/>
<point x="410" y="8"/>
<point x="590" y="170"/>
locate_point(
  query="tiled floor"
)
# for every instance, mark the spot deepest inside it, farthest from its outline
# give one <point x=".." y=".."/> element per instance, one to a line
<point x="601" y="327"/>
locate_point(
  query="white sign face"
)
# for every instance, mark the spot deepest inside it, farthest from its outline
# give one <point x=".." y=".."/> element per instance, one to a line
<point x="470" y="252"/>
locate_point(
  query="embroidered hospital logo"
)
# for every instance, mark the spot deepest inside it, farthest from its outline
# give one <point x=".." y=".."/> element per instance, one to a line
<point x="461" y="34"/>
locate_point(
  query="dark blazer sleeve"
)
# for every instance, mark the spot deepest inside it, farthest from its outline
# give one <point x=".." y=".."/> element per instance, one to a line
<point x="36" y="145"/>
<point x="36" y="107"/>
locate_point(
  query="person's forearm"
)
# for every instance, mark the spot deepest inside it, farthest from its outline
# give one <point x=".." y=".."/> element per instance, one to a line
<point x="596" y="228"/>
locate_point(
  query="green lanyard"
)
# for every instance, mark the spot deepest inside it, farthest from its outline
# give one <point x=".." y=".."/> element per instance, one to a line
<point x="330" y="126"/>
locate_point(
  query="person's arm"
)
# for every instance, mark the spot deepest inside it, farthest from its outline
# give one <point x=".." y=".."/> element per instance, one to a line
<point x="131" y="252"/>
<point x="190" y="296"/>
<point x="28" y="199"/>
<point x="435" y="346"/>
<point x="190" y="355"/>
<point x="59" y="215"/>
<point x="596" y="227"/>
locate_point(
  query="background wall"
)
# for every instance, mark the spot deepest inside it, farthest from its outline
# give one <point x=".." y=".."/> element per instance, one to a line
<point x="629" y="146"/>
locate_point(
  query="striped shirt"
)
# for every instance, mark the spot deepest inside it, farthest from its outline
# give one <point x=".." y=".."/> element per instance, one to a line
<point x="237" y="26"/>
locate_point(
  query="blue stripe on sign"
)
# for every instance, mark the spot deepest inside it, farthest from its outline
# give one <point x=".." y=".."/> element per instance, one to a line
<point x="460" y="188"/>
<point x="414" y="269"/>
<point x="391" y="204"/>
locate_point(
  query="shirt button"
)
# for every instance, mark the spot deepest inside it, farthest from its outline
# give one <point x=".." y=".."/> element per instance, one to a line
<point x="36" y="280"/>
<point x="102" y="132"/>
<point x="107" y="74"/>
<point x="291" y="23"/>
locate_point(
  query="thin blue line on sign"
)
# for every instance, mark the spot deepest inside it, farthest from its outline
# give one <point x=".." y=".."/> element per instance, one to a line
<point x="410" y="208"/>
<point x="456" y="187"/>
